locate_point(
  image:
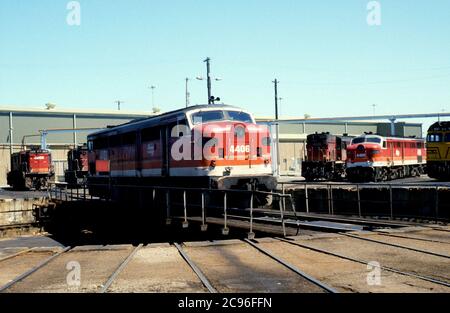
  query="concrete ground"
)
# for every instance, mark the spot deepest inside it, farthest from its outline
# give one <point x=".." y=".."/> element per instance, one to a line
<point x="235" y="266"/>
<point x="157" y="268"/>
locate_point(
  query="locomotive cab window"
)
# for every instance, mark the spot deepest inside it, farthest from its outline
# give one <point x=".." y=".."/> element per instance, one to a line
<point x="207" y="116"/>
<point x="366" y="139"/>
<point x="434" y="138"/>
<point x="239" y="116"/>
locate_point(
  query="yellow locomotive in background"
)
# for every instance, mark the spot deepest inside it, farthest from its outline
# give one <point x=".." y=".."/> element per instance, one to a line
<point x="438" y="151"/>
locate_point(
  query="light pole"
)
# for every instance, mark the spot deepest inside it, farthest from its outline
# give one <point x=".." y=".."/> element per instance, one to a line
<point x="374" y="106"/>
<point x="211" y="98"/>
<point x="208" y="78"/>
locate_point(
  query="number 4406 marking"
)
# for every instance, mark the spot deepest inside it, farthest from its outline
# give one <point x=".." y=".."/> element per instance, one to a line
<point x="241" y="148"/>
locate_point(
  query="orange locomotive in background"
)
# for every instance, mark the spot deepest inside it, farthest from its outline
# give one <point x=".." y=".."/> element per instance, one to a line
<point x="376" y="158"/>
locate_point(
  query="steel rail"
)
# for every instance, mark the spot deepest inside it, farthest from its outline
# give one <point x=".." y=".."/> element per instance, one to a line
<point x="195" y="268"/>
<point x="119" y="269"/>
<point x="440" y="229"/>
<point x="15" y="254"/>
<point x="34" y="269"/>
<point x="390" y="269"/>
<point x="23" y="225"/>
<point x="413" y="238"/>
<point x="292" y="268"/>
<point x="350" y="219"/>
<point x="396" y="245"/>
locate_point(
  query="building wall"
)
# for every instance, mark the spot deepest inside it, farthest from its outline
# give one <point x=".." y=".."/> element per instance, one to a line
<point x="291" y="157"/>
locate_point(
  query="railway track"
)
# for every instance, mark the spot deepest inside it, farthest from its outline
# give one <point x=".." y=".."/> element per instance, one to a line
<point x="272" y="256"/>
<point x="32" y="270"/>
<point x="221" y="266"/>
<point x="17" y="226"/>
<point x="309" y="281"/>
<point x="360" y="261"/>
<point x="396" y="245"/>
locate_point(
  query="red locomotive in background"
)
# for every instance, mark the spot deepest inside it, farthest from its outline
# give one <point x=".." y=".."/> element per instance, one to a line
<point x="31" y="169"/>
<point x="207" y="146"/>
<point x="78" y="167"/>
<point x="325" y="156"/>
<point x="376" y="158"/>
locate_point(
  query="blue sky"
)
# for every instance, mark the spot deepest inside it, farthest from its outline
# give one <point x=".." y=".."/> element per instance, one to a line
<point x="328" y="60"/>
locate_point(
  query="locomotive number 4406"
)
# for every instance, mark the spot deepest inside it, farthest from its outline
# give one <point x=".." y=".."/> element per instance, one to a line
<point x="241" y="148"/>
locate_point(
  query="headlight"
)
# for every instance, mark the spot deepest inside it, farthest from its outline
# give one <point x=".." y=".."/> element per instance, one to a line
<point x="239" y="131"/>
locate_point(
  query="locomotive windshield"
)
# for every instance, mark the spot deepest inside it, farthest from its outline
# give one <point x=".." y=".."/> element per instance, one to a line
<point x="366" y="139"/>
<point x="240" y="116"/>
<point x="436" y="137"/>
<point x="219" y="115"/>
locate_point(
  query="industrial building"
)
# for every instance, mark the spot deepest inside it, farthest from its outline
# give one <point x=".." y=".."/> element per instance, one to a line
<point x="22" y="127"/>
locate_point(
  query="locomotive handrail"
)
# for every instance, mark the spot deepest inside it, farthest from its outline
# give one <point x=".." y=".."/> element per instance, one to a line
<point x="198" y="189"/>
<point x="422" y="185"/>
<point x="389" y="200"/>
<point x="56" y="190"/>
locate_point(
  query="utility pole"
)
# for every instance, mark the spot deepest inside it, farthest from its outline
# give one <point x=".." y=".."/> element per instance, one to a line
<point x="118" y="104"/>
<point x="208" y="78"/>
<point x="275" y="82"/>
<point x="187" y="92"/>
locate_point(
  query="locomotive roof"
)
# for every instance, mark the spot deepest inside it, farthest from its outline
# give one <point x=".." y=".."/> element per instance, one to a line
<point x="165" y="117"/>
<point x="443" y="126"/>
<point x="388" y="137"/>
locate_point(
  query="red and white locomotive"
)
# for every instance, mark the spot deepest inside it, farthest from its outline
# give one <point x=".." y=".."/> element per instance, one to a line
<point x="207" y="146"/>
<point x="376" y="158"/>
